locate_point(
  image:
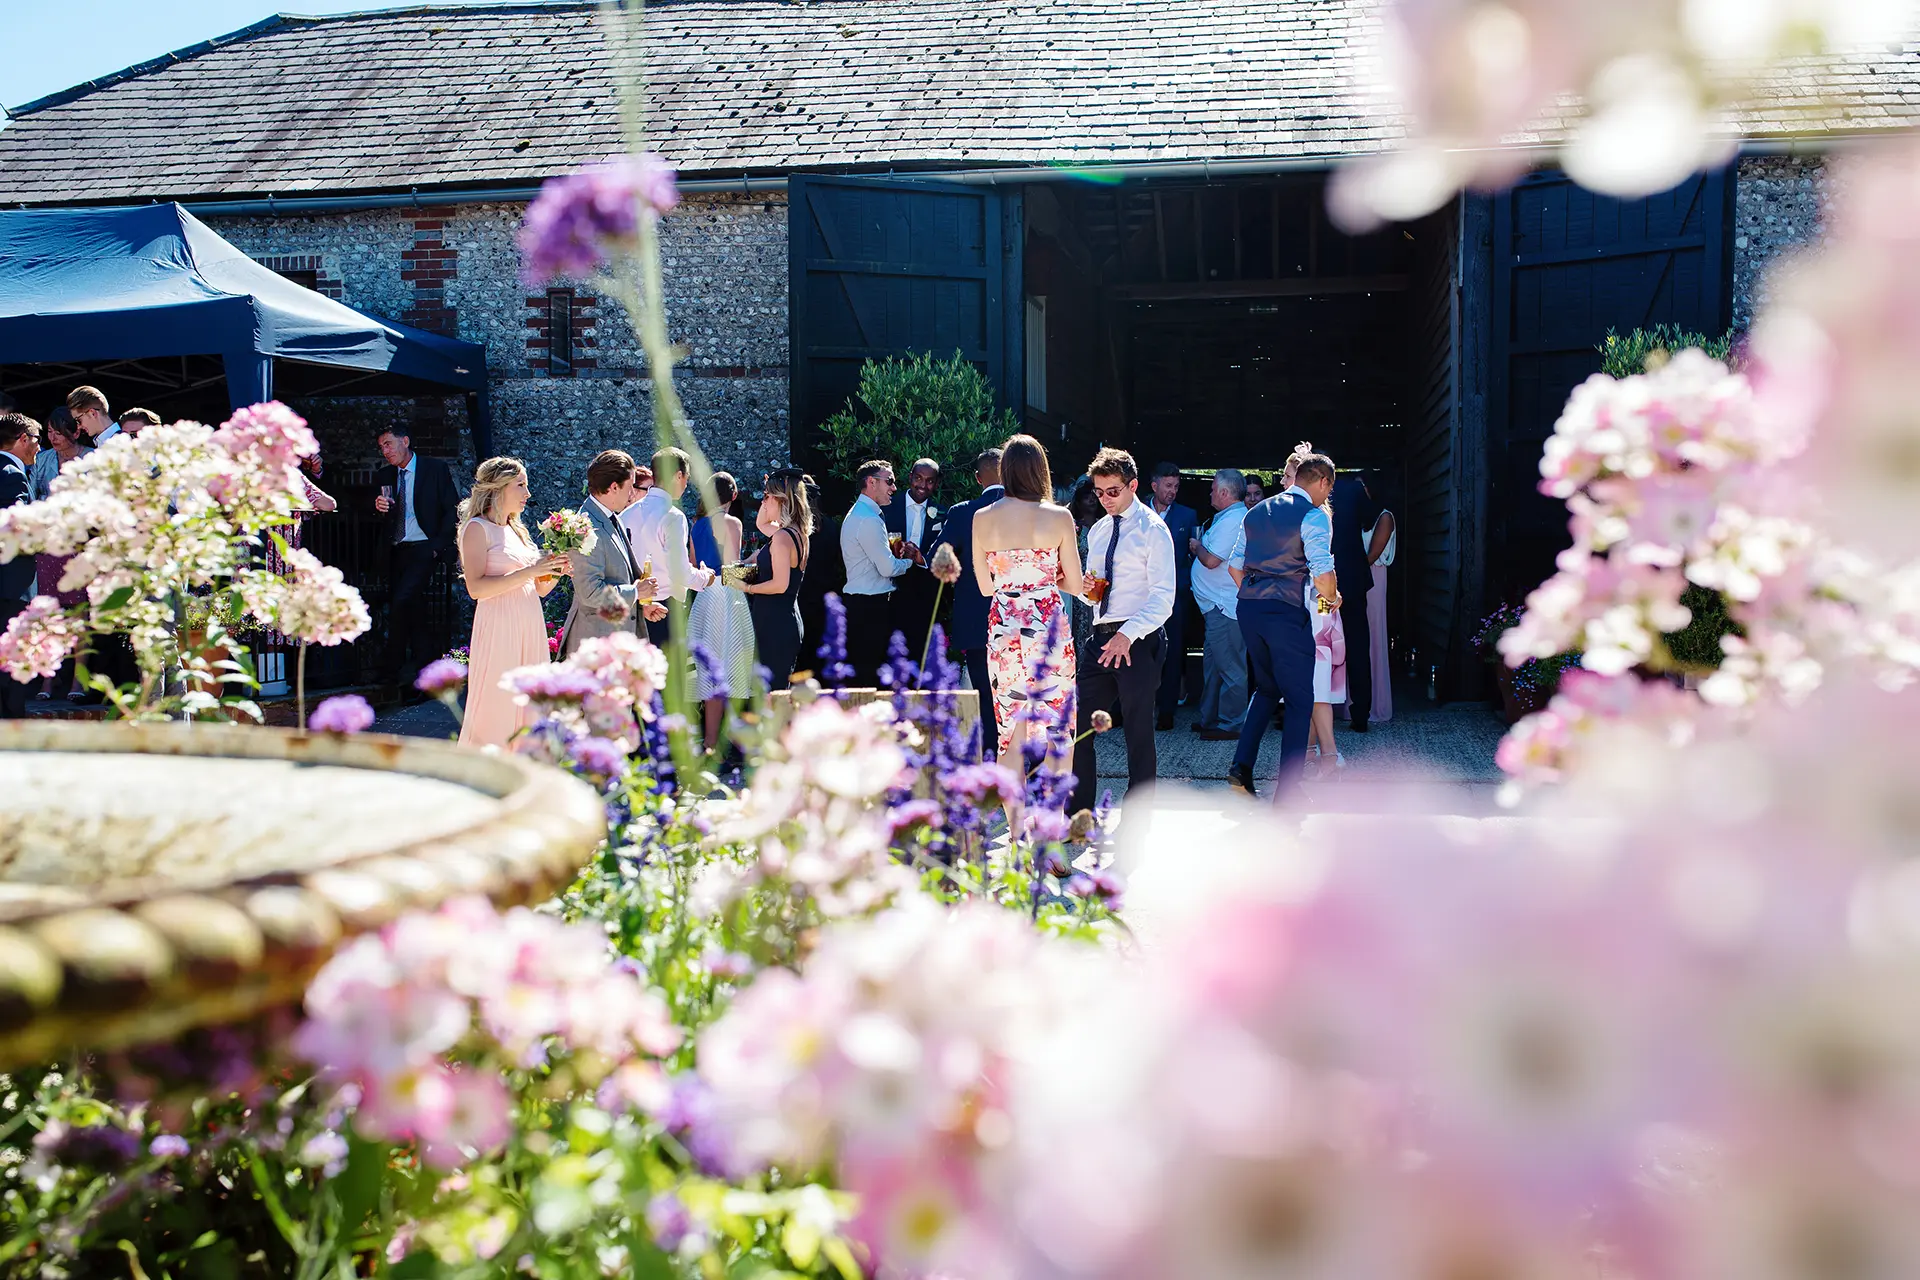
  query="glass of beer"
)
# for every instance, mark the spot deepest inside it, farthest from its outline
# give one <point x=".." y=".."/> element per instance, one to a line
<point x="897" y="543"/>
<point x="1096" y="588"/>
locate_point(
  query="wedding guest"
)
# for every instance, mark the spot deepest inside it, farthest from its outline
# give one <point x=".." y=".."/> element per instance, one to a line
<point x="642" y="480"/>
<point x="1256" y="491"/>
<point x="65" y="441"/>
<point x="785" y="518"/>
<point x="1223" y="689"/>
<point x="1330" y="682"/>
<point x="608" y="593"/>
<point x="18" y="436"/>
<point x="1023" y="556"/>
<point x="967" y="633"/>
<point x="294" y="532"/>
<point x="657" y="530"/>
<point x="1381" y="541"/>
<point x="133" y="420"/>
<point x="720" y="621"/>
<point x="913" y="515"/>
<point x="872" y="569"/>
<point x="1354" y="514"/>
<point x="418" y="497"/>
<point x="506" y="576"/>
<point x="1130" y="549"/>
<point x="1181" y="523"/>
<point x="1285" y="546"/>
<point x="1086" y="513"/>
<point x="108" y="653"/>
<point x="89" y="409"/>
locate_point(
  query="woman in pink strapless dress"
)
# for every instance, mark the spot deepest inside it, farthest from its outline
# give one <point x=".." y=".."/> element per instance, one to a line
<point x="1024" y="552"/>
<point x="506" y="576"/>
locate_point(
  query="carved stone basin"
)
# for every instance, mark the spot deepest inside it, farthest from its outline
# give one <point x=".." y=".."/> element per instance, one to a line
<point x="154" y="878"/>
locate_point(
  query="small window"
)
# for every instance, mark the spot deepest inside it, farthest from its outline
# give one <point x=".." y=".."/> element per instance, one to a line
<point x="1037" y="354"/>
<point x="560" y="332"/>
<point x="306" y="279"/>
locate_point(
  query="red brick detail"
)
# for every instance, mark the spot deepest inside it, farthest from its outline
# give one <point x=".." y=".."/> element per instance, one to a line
<point x="306" y="269"/>
<point x="539" y="340"/>
<point x="427" y="266"/>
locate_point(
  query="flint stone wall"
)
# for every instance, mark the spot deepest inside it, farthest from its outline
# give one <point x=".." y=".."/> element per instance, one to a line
<point x="456" y="270"/>
<point x="1778" y="207"/>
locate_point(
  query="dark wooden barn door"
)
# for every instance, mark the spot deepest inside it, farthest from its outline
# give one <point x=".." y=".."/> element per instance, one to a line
<point x="1567" y="266"/>
<point x="881" y="267"/>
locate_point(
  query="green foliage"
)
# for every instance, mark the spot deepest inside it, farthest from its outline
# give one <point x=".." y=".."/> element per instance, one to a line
<point x="914" y="408"/>
<point x="1696" y="646"/>
<point x="1647" y="349"/>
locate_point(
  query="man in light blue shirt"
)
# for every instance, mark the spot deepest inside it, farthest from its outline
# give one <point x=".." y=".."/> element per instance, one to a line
<point x="871" y="569"/>
<point x="1223" y="683"/>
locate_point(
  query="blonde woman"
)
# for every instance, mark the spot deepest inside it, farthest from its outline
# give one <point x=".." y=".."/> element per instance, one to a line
<point x="773" y="597"/>
<point x="506" y="576"/>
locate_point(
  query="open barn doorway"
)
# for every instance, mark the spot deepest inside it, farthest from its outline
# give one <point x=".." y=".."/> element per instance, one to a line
<point x="1215" y="324"/>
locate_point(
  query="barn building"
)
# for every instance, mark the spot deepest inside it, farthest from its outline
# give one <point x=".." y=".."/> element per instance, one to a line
<point x="1114" y="207"/>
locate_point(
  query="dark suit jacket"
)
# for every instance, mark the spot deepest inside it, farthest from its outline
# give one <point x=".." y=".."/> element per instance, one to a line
<point x="1354" y="512"/>
<point x="895" y="514"/>
<point x="969" y="627"/>
<point x="1182" y="524"/>
<point x="435" y="503"/>
<point x="16" y="575"/>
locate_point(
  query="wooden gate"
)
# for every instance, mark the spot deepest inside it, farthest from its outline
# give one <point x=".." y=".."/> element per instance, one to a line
<point x="1567" y="266"/>
<point x="883" y="267"/>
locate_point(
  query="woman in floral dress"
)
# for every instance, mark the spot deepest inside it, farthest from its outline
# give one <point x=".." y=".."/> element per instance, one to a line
<point x="1024" y="552"/>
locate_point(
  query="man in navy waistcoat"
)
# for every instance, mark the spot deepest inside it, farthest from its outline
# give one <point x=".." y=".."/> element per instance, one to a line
<point x="1286" y="542"/>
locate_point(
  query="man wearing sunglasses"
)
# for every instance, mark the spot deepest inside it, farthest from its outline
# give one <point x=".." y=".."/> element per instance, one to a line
<point x="1131" y="550"/>
<point x="871" y="570"/>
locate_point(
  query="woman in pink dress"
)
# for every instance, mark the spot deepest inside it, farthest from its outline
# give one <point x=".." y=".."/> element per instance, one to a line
<point x="1024" y="552"/>
<point x="506" y="576"/>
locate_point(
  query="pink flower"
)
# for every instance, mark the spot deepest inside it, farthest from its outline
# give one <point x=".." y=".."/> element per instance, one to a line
<point x="441" y="677"/>
<point x="348" y="713"/>
<point x="39" y="639"/>
<point x="477" y="1119"/>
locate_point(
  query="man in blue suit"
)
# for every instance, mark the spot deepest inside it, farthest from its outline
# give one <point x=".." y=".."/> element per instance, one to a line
<point x="968" y="636"/>
<point x="19" y="441"/>
<point x="1354" y="512"/>
<point x="1182" y="524"/>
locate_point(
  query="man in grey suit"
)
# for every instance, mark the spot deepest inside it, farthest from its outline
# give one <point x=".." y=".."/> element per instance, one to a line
<point x="604" y="577"/>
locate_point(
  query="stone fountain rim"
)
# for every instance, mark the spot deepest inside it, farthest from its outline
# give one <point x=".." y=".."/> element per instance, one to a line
<point x="142" y="961"/>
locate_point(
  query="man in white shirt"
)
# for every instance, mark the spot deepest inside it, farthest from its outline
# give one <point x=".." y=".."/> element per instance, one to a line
<point x="1223" y="695"/>
<point x="657" y="531"/>
<point x="89" y="408"/>
<point x="1131" y="549"/>
<point x="871" y="570"/>
<point x="609" y="572"/>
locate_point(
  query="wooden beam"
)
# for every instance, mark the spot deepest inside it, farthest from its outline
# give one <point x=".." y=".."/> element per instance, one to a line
<point x="1313" y="237"/>
<point x="1160" y="232"/>
<point x="1199" y="236"/>
<point x="1239" y="272"/>
<point x="1273" y="228"/>
<point x="1229" y="289"/>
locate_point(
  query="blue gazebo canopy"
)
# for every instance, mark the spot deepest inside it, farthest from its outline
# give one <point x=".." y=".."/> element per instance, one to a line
<point x="79" y="285"/>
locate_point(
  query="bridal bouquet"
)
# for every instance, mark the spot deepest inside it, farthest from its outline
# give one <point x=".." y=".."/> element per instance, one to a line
<point x="563" y="532"/>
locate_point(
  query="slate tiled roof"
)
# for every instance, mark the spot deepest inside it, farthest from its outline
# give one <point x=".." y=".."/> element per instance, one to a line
<point x="461" y="95"/>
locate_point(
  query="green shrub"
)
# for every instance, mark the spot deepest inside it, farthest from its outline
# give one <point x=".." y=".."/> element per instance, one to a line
<point x="914" y="408"/>
<point x="1622" y="357"/>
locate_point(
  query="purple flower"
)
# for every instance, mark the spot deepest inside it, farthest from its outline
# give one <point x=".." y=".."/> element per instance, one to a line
<point x="1046" y="826"/>
<point x="981" y="781"/>
<point x="577" y="220"/>
<point x="169" y="1146"/>
<point x="730" y="965"/>
<point x="712" y="674"/>
<point x="834" y="669"/>
<point x="668" y="1220"/>
<point x="599" y="757"/>
<point x="1080" y="885"/>
<point x="348" y="713"/>
<point x="898" y="671"/>
<point x="551" y="682"/>
<point x="441" y="677"/>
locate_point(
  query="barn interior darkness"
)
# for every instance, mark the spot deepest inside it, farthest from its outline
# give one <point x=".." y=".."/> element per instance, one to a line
<point x="1214" y="324"/>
